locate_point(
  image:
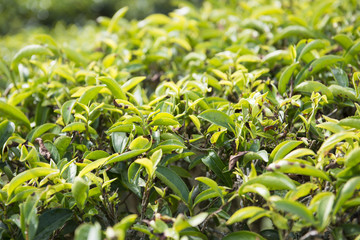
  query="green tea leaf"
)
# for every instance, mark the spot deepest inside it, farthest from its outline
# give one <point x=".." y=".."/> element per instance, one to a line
<point x="301" y="191"/>
<point x="313" y="86"/>
<point x="168" y="146"/>
<point x="89" y="94"/>
<point x="218" y="118"/>
<point x="27" y="52"/>
<point x="316" y="44"/>
<point x="299" y="153"/>
<point x="28" y="217"/>
<point x="131" y="83"/>
<point x="173" y="181"/>
<point x="114" y="87"/>
<point x="27" y="175"/>
<point x="324" y="209"/>
<point x="75" y="126"/>
<point x="52" y="220"/>
<point x="271" y="180"/>
<point x="205" y="195"/>
<point x="164" y="122"/>
<point x="345" y="193"/>
<point x="94" y="165"/>
<point x="245" y="213"/>
<point x="318" y="65"/>
<point x="352" y="52"/>
<point x="344" y="40"/>
<point x="295" y="208"/>
<point x="62" y="143"/>
<point x="243" y="235"/>
<point x="213" y="162"/>
<point x="66" y="109"/>
<point x="256" y="188"/>
<point x="80" y="191"/>
<point x="283" y="149"/>
<point x="6" y="130"/>
<point x="88" y="231"/>
<point x="351" y="122"/>
<point x="285" y="77"/>
<point x="353" y="158"/>
<point x="340" y="76"/>
<point x="138" y="143"/>
<point x="334" y="139"/>
<point x="212" y="184"/>
<point x="124" y="225"/>
<point x="13" y="113"/>
<point x="115" y="19"/>
<point x="129" y="155"/>
<point x="75" y="56"/>
<point x="147" y="164"/>
<point x="294" y="30"/>
<point x="119" y="141"/>
<point x="40" y="131"/>
<point x="297" y="168"/>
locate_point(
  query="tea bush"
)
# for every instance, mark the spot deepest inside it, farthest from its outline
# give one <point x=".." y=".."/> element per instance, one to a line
<point x="238" y="120"/>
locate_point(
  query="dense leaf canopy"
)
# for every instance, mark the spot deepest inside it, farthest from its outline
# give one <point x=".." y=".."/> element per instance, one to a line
<point x="236" y="120"/>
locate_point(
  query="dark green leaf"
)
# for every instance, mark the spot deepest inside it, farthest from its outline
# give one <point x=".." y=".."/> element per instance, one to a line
<point x="216" y="165"/>
<point x="173" y="181"/>
<point x="6" y="130"/>
<point x="52" y="220"/>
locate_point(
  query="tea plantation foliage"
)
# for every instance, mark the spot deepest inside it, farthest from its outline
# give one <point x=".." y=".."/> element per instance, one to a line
<point x="234" y="121"/>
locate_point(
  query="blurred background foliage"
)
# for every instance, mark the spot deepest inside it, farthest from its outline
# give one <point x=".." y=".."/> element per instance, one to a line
<point x="16" y="15"/>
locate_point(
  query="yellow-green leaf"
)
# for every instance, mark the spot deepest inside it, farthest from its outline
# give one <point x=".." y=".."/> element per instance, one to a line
<point x="27" y="175"/>
<point x="13" y="113"/>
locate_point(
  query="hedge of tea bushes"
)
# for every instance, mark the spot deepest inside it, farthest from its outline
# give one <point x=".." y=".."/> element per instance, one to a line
<point x="236" y="120"/>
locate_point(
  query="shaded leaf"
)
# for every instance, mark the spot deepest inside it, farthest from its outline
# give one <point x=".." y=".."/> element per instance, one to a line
<point x="6" y="130"/>
<point x="173" y="181"/>
<point x="215" y="164"/>
<point x="52" y="220"/>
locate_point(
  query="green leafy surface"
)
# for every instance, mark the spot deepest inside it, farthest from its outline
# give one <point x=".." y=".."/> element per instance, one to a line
<point x="215" y="120"/>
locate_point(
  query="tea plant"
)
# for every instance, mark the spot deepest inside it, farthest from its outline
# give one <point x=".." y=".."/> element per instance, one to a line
<point x="236" y="121"/>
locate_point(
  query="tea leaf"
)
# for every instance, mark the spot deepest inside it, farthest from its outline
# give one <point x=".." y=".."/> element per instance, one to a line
<point x="173" y="181"/>
<point x="218" y="118"/>
<point x="14" y="113"/>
